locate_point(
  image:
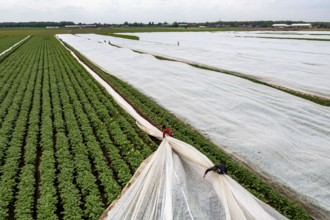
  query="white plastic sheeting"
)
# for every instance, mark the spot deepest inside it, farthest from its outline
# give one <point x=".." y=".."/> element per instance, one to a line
<point x="169" y="184"/>
<point x="276" y="133"/>
<point x="281" y="62"/>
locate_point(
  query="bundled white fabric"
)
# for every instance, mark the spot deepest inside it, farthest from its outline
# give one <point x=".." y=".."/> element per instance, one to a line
<point x="169" y="184"/>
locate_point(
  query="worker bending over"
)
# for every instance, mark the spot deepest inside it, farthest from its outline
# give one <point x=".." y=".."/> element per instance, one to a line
<point x="167" y="131"/>
<point x="220" y="169"/>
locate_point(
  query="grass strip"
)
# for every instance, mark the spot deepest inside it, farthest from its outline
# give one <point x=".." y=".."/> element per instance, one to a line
<point x="126" y="36"/>
<point x="295" y="38"/>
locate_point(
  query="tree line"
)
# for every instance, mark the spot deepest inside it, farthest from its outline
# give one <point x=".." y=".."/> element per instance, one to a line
<point x="217" y="24"/>
<point x="262" y="24"/>
<point x="34" y="24"/>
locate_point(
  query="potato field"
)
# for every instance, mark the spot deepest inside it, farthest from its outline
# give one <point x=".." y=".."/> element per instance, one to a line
<point x="66" y="149"/>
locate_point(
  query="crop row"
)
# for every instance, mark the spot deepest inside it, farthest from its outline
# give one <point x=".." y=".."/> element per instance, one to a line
<point x="109" y="145"/>
<point x="159" y="116"/>
<point x="13" y="134"/>
<point x="66" y="148"/>
<point x="8" y="41"/>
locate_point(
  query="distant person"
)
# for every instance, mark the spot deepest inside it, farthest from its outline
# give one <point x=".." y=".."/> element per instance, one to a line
<point x="167" y="131"/>
<point x="178" y="43"/>
<point x="220" y="169"/>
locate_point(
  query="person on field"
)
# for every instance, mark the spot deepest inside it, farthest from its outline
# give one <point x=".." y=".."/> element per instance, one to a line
<point x="167" y="131"/>
<point x="220" y="169"/>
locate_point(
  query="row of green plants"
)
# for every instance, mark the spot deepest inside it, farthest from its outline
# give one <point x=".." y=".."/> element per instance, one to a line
<point x="89" y="193"/>
<point x="93" y="149"/>
<point x="47" y="193"/>
<point x="8" y="40"/>
<point x="26" y="189"/>
<point x="69" y="193"/>
<point x="8" y="75"/>
<point x="11" y="94"/>
<point x="9" y="44"/>
<point x="66" y="148"/>
<point x="159" y="116"/>
<point x="14" y="128"/>
<point x="13" y="86"/>
<point x="100" y="118"/>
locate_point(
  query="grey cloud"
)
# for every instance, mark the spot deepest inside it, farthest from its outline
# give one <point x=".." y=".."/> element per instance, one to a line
<point x="114" y="11"/>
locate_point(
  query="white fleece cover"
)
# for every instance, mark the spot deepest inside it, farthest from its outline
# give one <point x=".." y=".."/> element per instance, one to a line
<point x="287" y="63"/>
<point x="280" y="135"/>
<point x="169" y="183"/>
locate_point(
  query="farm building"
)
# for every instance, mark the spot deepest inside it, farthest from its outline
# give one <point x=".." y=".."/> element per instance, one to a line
<point x="183" y="25"/>
<point x="81" y="26"/>
<point x="299" y="25"/>
<point x="280" y="25"/>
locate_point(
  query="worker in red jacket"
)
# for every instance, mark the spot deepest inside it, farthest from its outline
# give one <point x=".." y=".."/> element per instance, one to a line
<point x="167" y="131"/>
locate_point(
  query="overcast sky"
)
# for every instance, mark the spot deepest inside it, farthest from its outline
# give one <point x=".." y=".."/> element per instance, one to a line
<point x="119" y="11"/>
